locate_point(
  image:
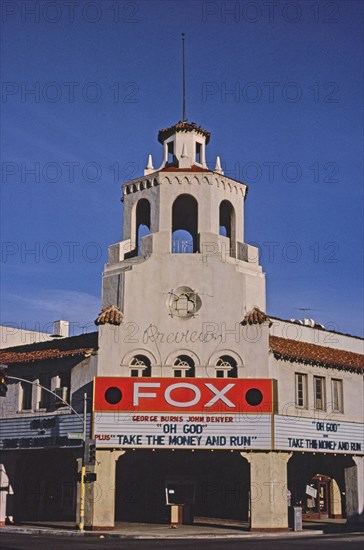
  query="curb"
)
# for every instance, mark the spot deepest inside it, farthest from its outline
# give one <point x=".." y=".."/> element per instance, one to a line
<point x="160" y="536"/>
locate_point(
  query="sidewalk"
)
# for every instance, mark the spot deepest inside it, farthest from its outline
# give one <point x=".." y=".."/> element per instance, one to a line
<point x="197" y="531"/>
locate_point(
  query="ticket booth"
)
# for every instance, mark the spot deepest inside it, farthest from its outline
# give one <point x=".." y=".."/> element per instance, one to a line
<point x="180" y="496"/>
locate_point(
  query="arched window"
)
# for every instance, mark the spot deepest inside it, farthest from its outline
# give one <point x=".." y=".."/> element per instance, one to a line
<point x="226" y="367"/>
<point x="184" y="224"/>
<point x="227" y="224"/>
<point x="184" y="367"/>
<point x="140" y="366"/>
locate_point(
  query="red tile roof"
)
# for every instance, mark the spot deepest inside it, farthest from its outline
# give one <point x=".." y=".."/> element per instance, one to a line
<point x="302" y="352"/>
<point x="255" y="317"/>
<point x="109" y="315"/>
<point x="290" y="350"/>
<point x="74" y="346"/>
<point x="12" y="357"/>
<point x="182" y="126"/>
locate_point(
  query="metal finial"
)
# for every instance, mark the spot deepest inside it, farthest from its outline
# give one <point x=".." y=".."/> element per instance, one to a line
<point x="183" y="78"/>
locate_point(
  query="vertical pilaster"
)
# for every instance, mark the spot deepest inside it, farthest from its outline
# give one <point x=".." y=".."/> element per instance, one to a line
<point x="100" y="495"/>
<point x="268" y="490"/>
<point x="354" y="489"/>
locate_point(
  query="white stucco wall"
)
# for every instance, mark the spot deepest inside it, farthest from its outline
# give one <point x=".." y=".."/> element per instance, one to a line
<point x="15" y="336"/>
<point x="293" y="331"/>
<point x="353" y="390"/>
<point x="226" y="290"/>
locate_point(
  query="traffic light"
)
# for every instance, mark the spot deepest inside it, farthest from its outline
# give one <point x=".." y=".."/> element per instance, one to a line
<point x="90" y="477"/>
<point x="3" y="381"/>
<point x="90" y="452"/>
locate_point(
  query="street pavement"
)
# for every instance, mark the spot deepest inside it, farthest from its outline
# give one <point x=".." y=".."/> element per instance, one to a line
<point x="18" y="541"/>
<point x="61" y="536"/>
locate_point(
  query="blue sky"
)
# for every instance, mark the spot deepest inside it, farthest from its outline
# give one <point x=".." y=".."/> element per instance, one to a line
<point x="281" y="92"/>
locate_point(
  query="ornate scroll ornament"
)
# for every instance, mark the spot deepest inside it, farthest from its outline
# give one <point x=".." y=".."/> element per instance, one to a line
<point x="256" y="317"/>
<point x="109" y="315"/>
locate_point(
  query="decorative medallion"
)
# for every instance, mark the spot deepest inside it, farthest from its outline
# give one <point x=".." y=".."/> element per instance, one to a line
<point x="184" y="302"/>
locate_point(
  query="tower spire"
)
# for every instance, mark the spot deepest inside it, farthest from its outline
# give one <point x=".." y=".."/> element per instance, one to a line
<point x="183" y="78"/>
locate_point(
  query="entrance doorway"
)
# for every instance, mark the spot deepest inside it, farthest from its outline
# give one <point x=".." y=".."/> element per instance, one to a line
<point x="47" y="486"/>
<point x="319" y="506"/>
<point x="317" y="483"/>
<point x="221" y="482"/>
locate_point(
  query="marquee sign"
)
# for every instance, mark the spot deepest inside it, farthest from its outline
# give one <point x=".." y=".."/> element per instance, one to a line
<point x="328" y="436"/>
<point x="182" y="431"/>
<point x="41" y="432"/>
<point x="209" y="413"/>
<point x="199" y="413"/>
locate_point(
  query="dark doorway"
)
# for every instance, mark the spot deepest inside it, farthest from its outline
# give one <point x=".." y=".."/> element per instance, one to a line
<point x="221" y="478"/>
<point x="317" y="483"/>
<point x="47" y="488"/>
<point x="323" y="496"/>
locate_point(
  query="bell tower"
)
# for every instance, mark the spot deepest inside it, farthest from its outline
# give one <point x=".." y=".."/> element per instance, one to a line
<point x="183" y="195"/>
<point x="182" y="268"/>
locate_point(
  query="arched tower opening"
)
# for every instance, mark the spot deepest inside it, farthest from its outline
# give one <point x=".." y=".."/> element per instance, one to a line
<point x="185" y="224"/>
<point x="227" y="224"/>
<point x="142" y="223"/>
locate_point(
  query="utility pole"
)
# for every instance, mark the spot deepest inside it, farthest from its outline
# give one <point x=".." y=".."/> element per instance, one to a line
<point x="81" y="524"/>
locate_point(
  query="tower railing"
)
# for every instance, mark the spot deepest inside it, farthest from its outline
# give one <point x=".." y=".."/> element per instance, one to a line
<point x="182" y="246"/>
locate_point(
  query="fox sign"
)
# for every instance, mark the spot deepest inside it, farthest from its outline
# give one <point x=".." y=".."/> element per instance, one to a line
<point x="170" y="395"/>
<point x="184" y="413"/>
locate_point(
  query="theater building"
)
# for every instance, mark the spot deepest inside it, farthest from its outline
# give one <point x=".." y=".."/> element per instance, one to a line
<point x="196" y="394"/>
